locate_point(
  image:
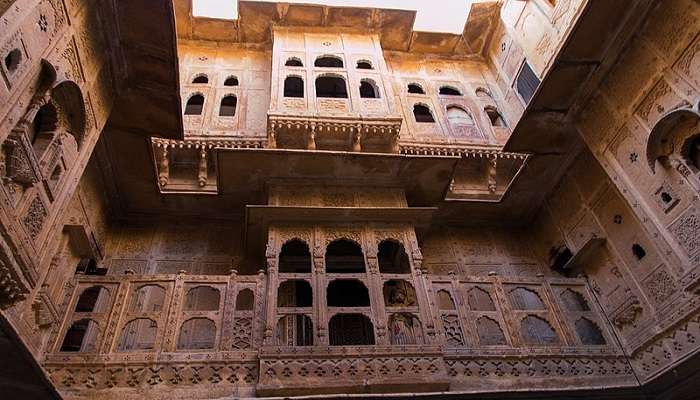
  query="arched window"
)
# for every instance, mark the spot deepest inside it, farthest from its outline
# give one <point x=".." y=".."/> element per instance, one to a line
<point x="574" y="301"/>
<point x="12" y="60"/>
<point x="694" y="152"/>
<point x="449" y="91"/>
<point x="525" y="299"/>
<point x="197" y="334"/>
<point x="231" y="81"/>
<point x="43" y="128"/>
<point x="331" y="86"/>
<point x="415" y="88"/>
<point x="368" y="89"/>
<point x="495" y="117"/>
<point x="445" y="301"/>
<point x="350" y="330"/>
<point x="638" y="251"/>
<point x="399" y="293"/>
<point x="202" y="78"/>
<point x="489" y="331"/>
<point x="294" y="293"/>
<point x="202" y="298"/>
<point x="295" y="257"/>
<point x="364" y="64"/>
<point x="347" y="293"/>
<point x="293" y="62"/>
<point x="392" y="258"/>
<point x="228" y="106"/>
<point x="482" y="92"/>
<point x="344" y="255"/>
<point x="422" y="113"/>
<point x="480" y="300"/>
<point x="195" y="105"/>
<point x="405" y="329"/>
<point x="245" y="300"/>
<point x="589" y="333"/>
<point x="81" y="337"/>
<point x="147" y="298"/>
<point x="93" y="299"/>
<point x="293" y="86"/>
<point x="458" y="116"/>
<point x="537" y="331"/>
<point x="138" y="334"/>
<point x="295" y="330"/>
<point x="328" y="62"/>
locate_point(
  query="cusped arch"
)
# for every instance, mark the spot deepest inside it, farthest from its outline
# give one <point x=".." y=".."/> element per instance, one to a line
<point x="294" y="257"/>
<point x="70" y="103"/>
<point x="480" y="300"/>
<point x="671" y="134"/>
<point x="392" y="257"/>
<point x="489" y="332"/>
<point x="537" y="331"/>
<point x="525" y="299"/>
<point x="344" y="256"/>
<point x="202" y="298"/>
<point x="197" y="334"/>
<point x="147" y="298"/>
<point x="589" y="332"/>
<point x="138" y="334"/>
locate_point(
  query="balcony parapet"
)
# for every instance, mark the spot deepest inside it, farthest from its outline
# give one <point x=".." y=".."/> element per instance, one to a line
<point x="378" y="135"/>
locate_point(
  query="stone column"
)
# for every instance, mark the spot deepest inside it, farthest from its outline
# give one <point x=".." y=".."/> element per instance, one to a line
<point x="272" y="283"/>
<point x="319" y="287"/>
<point x="377" y="299"/>
<point x="420" y="279"/>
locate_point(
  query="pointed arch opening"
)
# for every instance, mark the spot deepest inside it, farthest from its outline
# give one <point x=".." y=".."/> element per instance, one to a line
<point x="526" y="299"/>
<point x="574" y="301"/>
<point x="295" y="257"/>
<point x="344" y="256"/>
<point x="197" y="334"/>
<point x="489" y="332"/>
<point x="81" y="337"/>
<point x="293" y="87"/>
<point x="589" y="333"/>
<point x="195" y="105"/>
<point x="328" y="62"/>
<point x="392" y="258"/>
<point x="537" y="331"/>
<point x="449" y="91"/>
<point x="445" y="301"/>
<point x="227" y="108"/>
<point x="422" y="113"/>
<point x="200" y="79"/>
<point x="480" y="300"/>
<point x="331" y="86"/>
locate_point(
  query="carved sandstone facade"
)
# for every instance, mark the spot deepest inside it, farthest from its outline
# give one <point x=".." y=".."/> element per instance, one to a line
<point x="317" y="200"/>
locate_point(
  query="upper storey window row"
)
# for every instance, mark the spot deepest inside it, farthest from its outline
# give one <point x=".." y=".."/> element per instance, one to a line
<point x="227" y="107"/>
<point x="445" y="90"/>
<point x="328" y="61"/>
<point x="203" y="79"/>
<point x="329" y="86"/>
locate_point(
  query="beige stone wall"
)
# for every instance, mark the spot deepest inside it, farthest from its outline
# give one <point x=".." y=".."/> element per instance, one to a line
<point x="219" y="61"/>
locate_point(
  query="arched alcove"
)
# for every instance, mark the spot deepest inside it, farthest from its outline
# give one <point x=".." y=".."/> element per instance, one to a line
<point x="414" y="88"/>
<point x="458" y="116"/>
<point x="197" y="334"/>
<point x="480" y="300"/>
<point x="589" y="332"/>
<point x="392" y="258"/>
<point x="245" y="300"/>
<point x="231" y="81"/>
<point x="495" y="117"/>
<point x="673" y="134"/>
<point x="93" y="299"/>
<point x="202" y="298"/>
<point x="399" y="293"/>
<point x="227" y="108"/>
<point x="138" y="334"/>
<point x="422" y="114"/>
<point x="344" y="256"/>
<point x="81" y="336"/>
<point x="525" y="299"/>
<point x="405" y="329"/>
<point x="295" y="257"/>
<point x="445" y="301"/>
<point x="70" y="103"/>
<point x="537" y="331"/>
<point x="574" y="301"/>
<point x="293" y="62"/>
<point x="364" y="64"/>
<point x="328" y="62"/>
<point x="368" y="89"/>
<point x="293" y="87"/>
<point x="449" y="91"/>
<point x="195" y="105"/>
<point x="331" y="86"/>
<point x="200" y="79"/>
<point x="489" y="332"/>
<point x="147" y="298"/>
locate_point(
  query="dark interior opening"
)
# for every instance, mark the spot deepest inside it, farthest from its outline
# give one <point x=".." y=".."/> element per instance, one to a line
<point x="228" y="106"/>
<point x="328" y="62"/>
<point x="422" y="113"/>
<point x="295" y="257"/>
<point x="350" y="330"/>
<point x="331" y="86"/>
<point x="344" y="256"/>
<point x="347" y="293"/>
<point x="293" y="87"/>
<point x="392" y="258"/>
<point x="195" y="105"/>
<point x="449" y="91"/>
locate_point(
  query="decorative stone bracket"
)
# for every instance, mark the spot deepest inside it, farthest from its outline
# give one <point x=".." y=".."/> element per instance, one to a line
<point x="21" y="165"/>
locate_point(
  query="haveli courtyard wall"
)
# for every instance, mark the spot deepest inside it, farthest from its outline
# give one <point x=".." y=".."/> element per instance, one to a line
<point x="316" y="200"/>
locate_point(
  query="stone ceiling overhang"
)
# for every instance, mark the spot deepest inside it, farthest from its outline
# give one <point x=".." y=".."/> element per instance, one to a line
<point x="257" y="19"/>
<point x="246" y="172"/>
<point x="258" y="218"/>
<point x="148" y="44"/>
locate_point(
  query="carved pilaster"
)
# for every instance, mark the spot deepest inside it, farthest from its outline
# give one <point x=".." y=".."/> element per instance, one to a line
<point x="202" y="171"/>
<point x="164" y="167"/>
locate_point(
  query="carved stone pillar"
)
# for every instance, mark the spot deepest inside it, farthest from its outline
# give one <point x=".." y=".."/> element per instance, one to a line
<point x="272" y="136"/>
<point x="420" y="277"/>
<point x="164" y="167"/>
<point x="395" y="148"/>
<point x="202" y="171"/>
<point x="311" y="140"/>
<point x="271" y="304"/>
<point x="321" y="317"/>
<point x="377" y="300"/>
<point x="356" y="139"/>
<point x="493" y="162"/>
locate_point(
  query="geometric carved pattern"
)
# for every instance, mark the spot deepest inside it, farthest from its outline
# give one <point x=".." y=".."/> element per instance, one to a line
<point x="34" y="218"/>
<point x="686" y="229"/>
<point x="242" y="333"/>
<point x="660" y="286"/>
<point x="453" y="330"/>
<point x="538" y="368"/>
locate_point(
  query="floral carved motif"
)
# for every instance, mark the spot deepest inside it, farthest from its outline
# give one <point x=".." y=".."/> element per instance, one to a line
<point x="34" y="218"/>
<point x="686" y="229"/>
